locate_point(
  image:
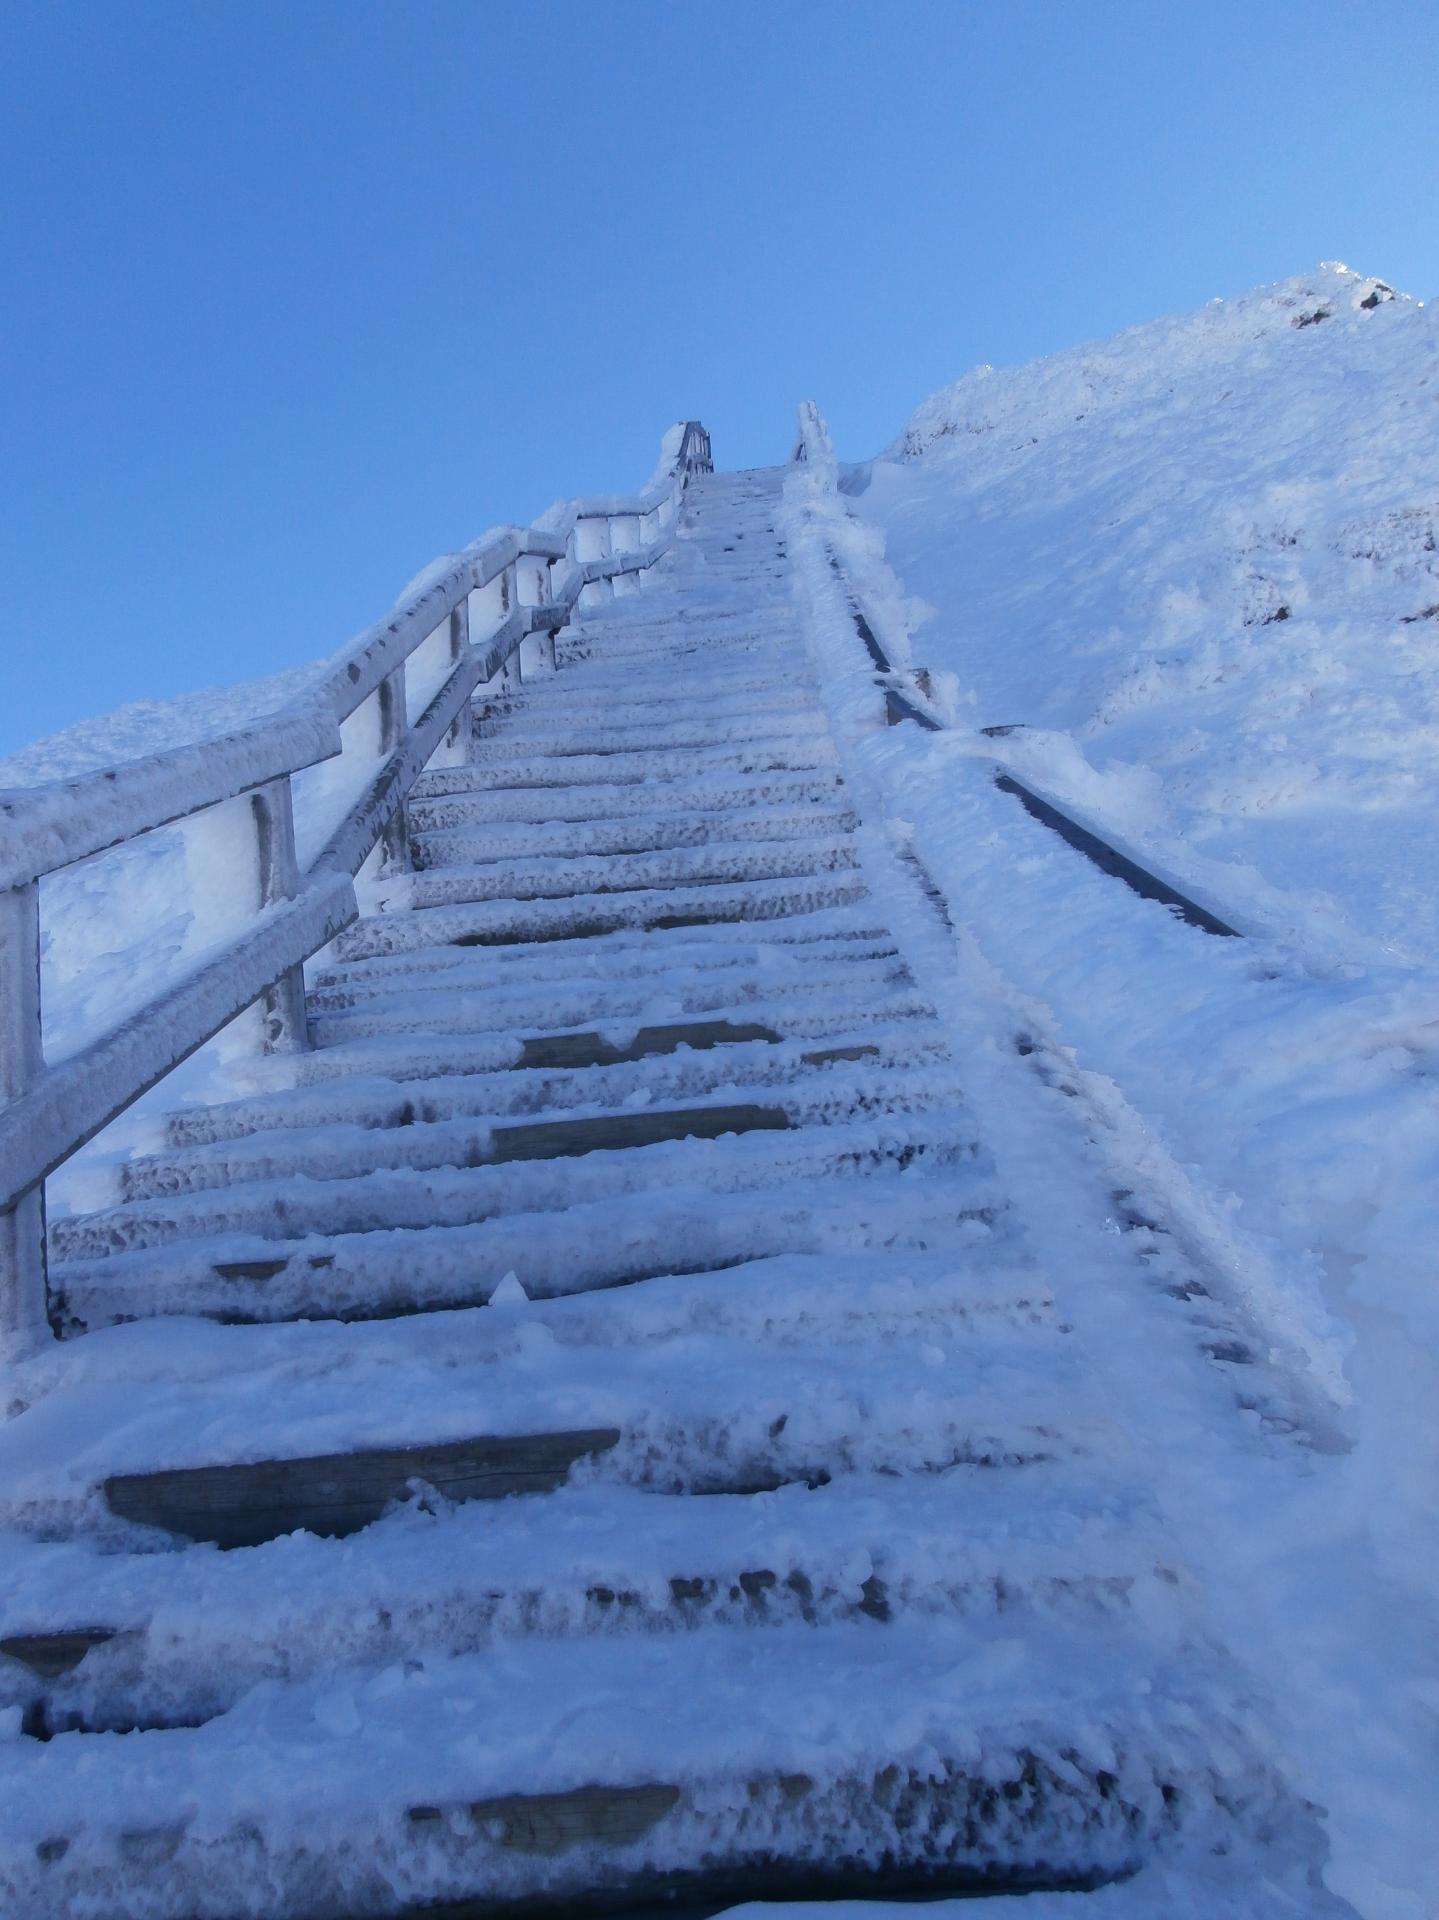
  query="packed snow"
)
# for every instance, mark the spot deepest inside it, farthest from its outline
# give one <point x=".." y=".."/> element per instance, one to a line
<point x="1194" y="569"/>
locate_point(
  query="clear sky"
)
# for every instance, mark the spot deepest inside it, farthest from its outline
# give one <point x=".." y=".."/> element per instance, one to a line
<point x="294" y="296"/>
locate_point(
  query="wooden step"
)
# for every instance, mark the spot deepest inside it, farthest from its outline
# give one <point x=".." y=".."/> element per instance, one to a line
<point x="929" y="1781"/>
<point x="593" y="1050"/>
<point x="404" y="1199"/>
<point x="587" y="916"/>
<point x="827" y="934"/>
<point x="807" y="754"/>
<point x="584" y="1120"/>
<point x="459" y="796"/>
<point x="408" y="1056"/>
<point x="670" y="1073"/>
<point x="719" y="863"/>
<point x="643" y="833"/>
<point x="614" y="1132"/>
<point x="499" y="743"/>
<point x="592" y="1245"/>
<point x="552" y="707"/>
<point x="458" y="1005"/>
<point x="476" y="1576"/>
<point x="335" y="1494"/>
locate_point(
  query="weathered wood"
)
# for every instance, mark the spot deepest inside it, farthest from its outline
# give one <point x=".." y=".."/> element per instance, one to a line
<point x="282" y="1005"/>
<point x="52" y="1654"/>
<point x="613" y="1132"/>
<point x="551" y="1823"/>
<point x="394" y="724"/>
<point x="593" y="1050"/>
<point x="1111" y="861"/>
<point x="334" y="1494"/>
<point x="70" y="1103"/>
<point x="700" y="1893"/>
<point x="45" y="828"/>
<point x="23" y="1300"/>
<point x="947" y="1832"/>
<point x="722" y="913"/>
<point x="458" y="735"/>
<point x="827" y="1056"/>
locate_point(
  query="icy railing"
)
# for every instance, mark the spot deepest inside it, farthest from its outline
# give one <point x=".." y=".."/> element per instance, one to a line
<point x="353" y="738"/>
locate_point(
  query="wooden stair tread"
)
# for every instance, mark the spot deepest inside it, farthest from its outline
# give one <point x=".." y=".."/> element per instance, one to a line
<point x="593" y="1050"/>
<point x="614" y="1132"/>
<point x="243" y="1504"/>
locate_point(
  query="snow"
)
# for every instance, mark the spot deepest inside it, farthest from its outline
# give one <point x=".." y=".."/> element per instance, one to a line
<point x="1102" y="1290"/>
<point x="153" y="726"/>
<point x="1201" y="561"/>
<point x="1095" y="549"/>
<point x="935" y="1371"/>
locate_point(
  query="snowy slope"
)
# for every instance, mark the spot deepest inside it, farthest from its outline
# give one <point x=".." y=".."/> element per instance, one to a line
<point x="1205" y="553"/>
<point x="1195" y="567"/>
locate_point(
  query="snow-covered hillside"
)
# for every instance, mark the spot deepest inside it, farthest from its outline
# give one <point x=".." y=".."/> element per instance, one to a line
<point x="1205" y="555"/>
<point x="1195" y="568"/>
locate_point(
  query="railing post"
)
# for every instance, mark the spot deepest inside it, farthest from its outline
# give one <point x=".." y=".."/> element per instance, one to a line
<point x="23" y="1298"/>
<point x="459" y="646"/>
<point x="282" y="1006"/>
<point x="510" y="674"/>
<point x="394" y="718"/>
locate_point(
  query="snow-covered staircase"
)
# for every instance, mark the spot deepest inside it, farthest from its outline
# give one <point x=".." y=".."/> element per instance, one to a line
<point x="594" y="1431"/>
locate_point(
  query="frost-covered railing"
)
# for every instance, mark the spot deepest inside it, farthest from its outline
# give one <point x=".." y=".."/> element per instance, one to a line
<point x="463" y="631"/>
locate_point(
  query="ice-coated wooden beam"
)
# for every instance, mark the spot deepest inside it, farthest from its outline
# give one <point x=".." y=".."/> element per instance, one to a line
<point x="70" y="1103"/>
<point x="22" y="1060"/>
<point x="45" y="828"/>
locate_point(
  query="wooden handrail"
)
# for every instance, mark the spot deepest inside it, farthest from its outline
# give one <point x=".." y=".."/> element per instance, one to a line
<point x="48" y="1112"/>
<point x="45" y="828"/>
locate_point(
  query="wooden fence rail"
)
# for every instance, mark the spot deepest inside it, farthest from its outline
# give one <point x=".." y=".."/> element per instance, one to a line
<point x="478" y="611"/>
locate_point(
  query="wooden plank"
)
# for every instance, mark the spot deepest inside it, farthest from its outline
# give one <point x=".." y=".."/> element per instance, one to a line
<point x="52" y="1654"/>
<point x="956" y="1834"/>
<point x="738" y="911"/>
<point x="698" y="1893"/>
<point x="24" y="1299"/>
<point x="70" y="1103"/>
<point x="828" y="1056"/>
<point x="551" y="1823"/>
<point x="48" y="827"/>
<point x="335" y="1494"/>
<point x="614" y="1132"/>
<point x="1111" y="861"/>
<point x="592" y="1050"/>
<point x="282" y="1005"/>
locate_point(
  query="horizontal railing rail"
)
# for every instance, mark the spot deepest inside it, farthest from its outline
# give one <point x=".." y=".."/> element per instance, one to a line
<point x="474" y="614"/>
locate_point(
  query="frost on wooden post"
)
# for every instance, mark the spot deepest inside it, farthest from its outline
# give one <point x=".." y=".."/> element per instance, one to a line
<point x="22" y="1263"/>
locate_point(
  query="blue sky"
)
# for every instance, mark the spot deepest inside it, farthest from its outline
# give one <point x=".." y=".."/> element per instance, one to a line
<point x="297" y="295"/>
